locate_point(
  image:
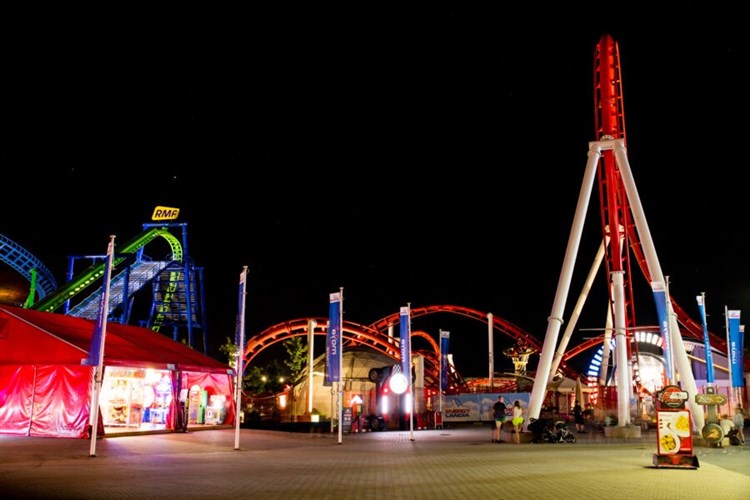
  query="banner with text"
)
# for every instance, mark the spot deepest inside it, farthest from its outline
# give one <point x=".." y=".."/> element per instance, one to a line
<point x="472" y="407"/>
<point x="444" y="340"/>
<point x="660" y="298"/>
<point x="706" y="342"/>
<point x="333" y="340"/>
<point x="736" y="348"/>
<point x="404" y="343"/>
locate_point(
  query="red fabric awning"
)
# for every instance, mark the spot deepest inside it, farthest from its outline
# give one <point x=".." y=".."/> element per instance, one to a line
<point x="29" y="337"/>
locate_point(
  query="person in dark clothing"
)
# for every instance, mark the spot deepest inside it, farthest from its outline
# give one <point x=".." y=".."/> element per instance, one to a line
<point x="578" y="417"/>
<point x="498" y="410"/>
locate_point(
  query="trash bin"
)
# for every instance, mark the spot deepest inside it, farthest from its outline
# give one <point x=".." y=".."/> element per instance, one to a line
<point x="438" y="420"/>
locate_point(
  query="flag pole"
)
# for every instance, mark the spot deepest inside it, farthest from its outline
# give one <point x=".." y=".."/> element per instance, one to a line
<point x="334" y="355"/>
<point x="341" y="364"/>
<point x="97" y="345"/>
<point x="729" y="360"/>
<point x="240" y="358"/>
<point x="440" y="378"/>
<point x="444" y="338"/>
<point x="411" y="386"/>
<point x="706" y="343"/>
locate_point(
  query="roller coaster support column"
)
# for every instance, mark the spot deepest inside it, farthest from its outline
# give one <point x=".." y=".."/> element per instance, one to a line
<point x="32" y="289"/>
<point x="624" y="371"/>
<point x="563" y="286"/>
<point x="188" y="291"/>
<point x="186" y="277"/>
<point x="563" y="346"/>
<point x="687" y="379"/>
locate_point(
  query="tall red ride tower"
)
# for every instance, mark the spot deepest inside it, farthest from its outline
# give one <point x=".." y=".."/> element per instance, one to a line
<point x="624" y="230"/>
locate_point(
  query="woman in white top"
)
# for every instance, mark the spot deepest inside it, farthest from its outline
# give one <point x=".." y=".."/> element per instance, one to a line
<point x="517" y="421"/>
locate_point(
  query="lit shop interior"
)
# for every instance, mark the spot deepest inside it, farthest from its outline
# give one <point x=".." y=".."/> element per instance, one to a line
<point x="138" y="399"/>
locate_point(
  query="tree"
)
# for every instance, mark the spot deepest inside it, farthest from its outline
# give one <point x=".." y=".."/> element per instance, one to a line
<point x="252" y="379"/>
<point x="230" y="349"/>
<point x="257" y="380"/>
<point x="297" y="352"/>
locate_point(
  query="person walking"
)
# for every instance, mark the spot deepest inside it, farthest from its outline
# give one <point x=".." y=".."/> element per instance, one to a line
<point x="739" y="422"/>
<point x="578" y="418"/>
<point x="517" y="421"/>
<point x="498" y="411"/>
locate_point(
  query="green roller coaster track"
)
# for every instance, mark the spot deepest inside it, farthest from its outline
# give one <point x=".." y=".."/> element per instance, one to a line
<point x="90" y="275"/>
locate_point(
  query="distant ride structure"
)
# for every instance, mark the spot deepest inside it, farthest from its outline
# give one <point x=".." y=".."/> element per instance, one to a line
<point x="41" y="280"/>
<point x="176" y="283"/>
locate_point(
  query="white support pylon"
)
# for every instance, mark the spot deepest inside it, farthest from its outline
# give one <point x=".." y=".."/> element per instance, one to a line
<point x="555" y="319"/>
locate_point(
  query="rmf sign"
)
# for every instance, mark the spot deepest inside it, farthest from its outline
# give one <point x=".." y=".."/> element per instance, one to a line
<point x="165" y="213"/>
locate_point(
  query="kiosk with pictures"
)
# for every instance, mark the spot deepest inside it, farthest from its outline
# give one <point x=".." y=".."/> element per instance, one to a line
<point x="674" y="430"/>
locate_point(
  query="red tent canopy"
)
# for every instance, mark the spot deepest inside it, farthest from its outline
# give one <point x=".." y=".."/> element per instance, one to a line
<point x="44" y="388"/>
<point x="36" y="337"/>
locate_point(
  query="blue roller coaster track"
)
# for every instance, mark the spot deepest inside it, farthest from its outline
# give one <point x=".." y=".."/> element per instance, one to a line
<point x="27" y="265"/>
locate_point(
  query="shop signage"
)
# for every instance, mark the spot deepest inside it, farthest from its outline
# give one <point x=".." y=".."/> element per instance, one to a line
<point x="672" y="397"/>
<point x="710" y="399"/>
<point x="165" y="213"/>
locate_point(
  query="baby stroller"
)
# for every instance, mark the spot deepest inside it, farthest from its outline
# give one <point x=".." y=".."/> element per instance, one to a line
<point x="733" y="435"/>
<point x="562" y="434"/>
<point x="542" y="430"/>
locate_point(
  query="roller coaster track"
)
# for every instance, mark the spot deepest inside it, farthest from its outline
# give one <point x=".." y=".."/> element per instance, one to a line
<point x="615" y="212"/>
<point x="87" y="277"/>
<point x="375" y="336"/>
<point x="139" y="275"/>
<point x="693" y="329"/>
<point x="354" y="335"/>
<point x="609" y="117"/>
<point x="25" y="264"/>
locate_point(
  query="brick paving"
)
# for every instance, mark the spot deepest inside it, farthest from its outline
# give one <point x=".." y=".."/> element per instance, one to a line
<point x="451" y="463"/>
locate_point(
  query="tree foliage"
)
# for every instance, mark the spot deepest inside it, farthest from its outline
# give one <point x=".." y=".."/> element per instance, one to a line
<point x="270" y="377"/>
<point x="297" y="352"/>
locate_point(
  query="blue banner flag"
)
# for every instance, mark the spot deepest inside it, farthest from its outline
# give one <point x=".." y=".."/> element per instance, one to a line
<point x="660" y="298"/>
<point x="238" y="333"/>
<point x="706" y="342"/>
<point x="333" y="340"/>
<point x="240" y="330"/>
<point x="736" y="348"/>
<point x="444" y="339"/>
<point x="405" y="342"/>
<point x="240" y="357"/>
<point x="96" y="350"/>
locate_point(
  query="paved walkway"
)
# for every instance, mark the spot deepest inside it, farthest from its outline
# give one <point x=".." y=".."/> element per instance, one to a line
<point x="459" y="463"/>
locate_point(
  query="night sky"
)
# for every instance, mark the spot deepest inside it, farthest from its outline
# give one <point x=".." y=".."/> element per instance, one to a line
<point x="409" y="156"/>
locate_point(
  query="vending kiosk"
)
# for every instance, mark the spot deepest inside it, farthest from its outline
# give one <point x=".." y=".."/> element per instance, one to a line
<point x="674" y="430"/>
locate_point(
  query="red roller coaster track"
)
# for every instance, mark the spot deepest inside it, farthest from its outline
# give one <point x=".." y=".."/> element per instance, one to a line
<point x="615" y="210"/>
<point x="615" y="213"/>
<point x="375" y="336"/>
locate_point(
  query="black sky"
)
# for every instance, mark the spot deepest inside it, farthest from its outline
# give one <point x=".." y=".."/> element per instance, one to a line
<point x="427" y="156"/>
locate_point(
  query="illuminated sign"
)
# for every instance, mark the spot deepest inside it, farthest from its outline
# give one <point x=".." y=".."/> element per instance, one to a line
<point x="165" y="213"/>
<point x="671" y="397"/>
<point x="710" y="399"/>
